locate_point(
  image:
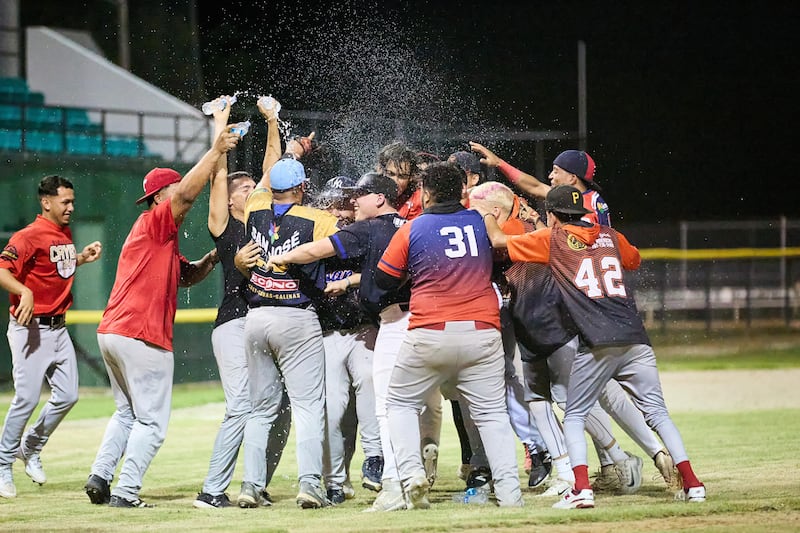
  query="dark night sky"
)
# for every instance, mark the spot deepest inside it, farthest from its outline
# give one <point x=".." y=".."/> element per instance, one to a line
<point x="691" y="105"/>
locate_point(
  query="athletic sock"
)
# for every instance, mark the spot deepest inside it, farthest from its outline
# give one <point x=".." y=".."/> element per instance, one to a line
<point x="564" y="468"/>
<point x="689" y="479"/>
<point x="616" y="453"/>
<point x="581" y="477"/>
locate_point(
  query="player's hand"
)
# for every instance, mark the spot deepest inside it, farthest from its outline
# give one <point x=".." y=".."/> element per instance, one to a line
<point x="301" y="146"/>
<point x="487" y="156"/>
<point x="247" y="257"/>
<point x="226" y="140"/>
<point x="24" y="311"/>
<point x="221" y="115"/>
<point x="268" y="113"/>
<point x="91" y="252"/>
<point x="481" y="206"/>
<point x="336" y="288"/>
<point x="277" y="260"/>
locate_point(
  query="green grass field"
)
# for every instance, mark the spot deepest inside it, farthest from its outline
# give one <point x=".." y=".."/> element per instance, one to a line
<point x="745" y="451"/>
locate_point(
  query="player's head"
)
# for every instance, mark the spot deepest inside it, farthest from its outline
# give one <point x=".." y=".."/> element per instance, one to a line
<point x="373" y="195"/>
<point x="158" y="185"/>
<point x="442" y="182"/>
<point x="57" y="198"/>
<point x="240" y="185"/>
<point x="470" y="164"/>
<point x="575" y="168"/>
<point x="399" y="162"/>
<point x="495" y="197"/>
<point x="288" y="180"/>
<point x="335" y="199"/>
<point x="566" y="203"/>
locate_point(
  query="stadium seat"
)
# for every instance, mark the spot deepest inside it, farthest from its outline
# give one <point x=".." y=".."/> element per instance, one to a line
<point x="10" y="116"/>
<point x="43" y="141"/>
<point x="84" y="144"/>
<point x="10" y="139"/>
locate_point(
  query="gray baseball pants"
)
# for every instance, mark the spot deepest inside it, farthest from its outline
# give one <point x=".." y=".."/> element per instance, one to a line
<point x="141" y="382"/>
<point x="38" y="354"/>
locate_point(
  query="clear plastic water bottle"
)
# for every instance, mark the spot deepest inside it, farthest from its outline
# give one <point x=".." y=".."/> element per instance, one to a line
<point x="472" y="496"/>
<point x="217" y="105"/>
<point x="241" y="128"/>
<point x="268" y="102"/>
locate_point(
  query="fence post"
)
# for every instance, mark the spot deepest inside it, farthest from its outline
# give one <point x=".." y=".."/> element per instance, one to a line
<point x="708" y="295"/>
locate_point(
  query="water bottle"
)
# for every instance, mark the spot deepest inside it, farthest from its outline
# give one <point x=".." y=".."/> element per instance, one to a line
<point x="241" y="128"/>
<point x="268" y="102"/>
<point x="472" y="496"/>
<point x="218" y="105"/>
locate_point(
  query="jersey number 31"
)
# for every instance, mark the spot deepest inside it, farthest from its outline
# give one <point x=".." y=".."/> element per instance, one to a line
<point x="458" y="247"/>
<point x="610" y="271"/>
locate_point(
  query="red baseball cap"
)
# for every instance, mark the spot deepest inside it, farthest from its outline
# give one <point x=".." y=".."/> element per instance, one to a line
<point x="157" y="179"/>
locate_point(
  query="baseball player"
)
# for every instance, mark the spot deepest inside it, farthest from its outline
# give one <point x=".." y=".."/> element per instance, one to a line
<point x="571" y="167"/>
<point x="588" y="263"/>
<point x="226" y="225"/>
<point x="135" y="333"/>
<point x="365" y="240"/>
<point x="453" y="334"/>
<point x="37" y="268"/>
<point x="282" y="330"/>
<point x="399" y="162"/>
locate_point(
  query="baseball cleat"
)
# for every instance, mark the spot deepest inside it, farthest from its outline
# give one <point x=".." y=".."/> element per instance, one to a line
<point x="541" y="465"/>
<point x="430" y="459"/>
<point x="248" y="496"/>
<point x="391" y="498"/>
<point x="555" y="487"/>
<point x="119" y="501"/>
<point x="311" y="496"/>
<point x="336" y="496"/>
<point x="205" y="500"/>
<point x="33" y="466"/>
<point x="7" y="487"/>
<point x="666" y="467"/>
<point x="480" y="478"/>
<point x="417" y="491"/>
<point x="371" y="473"/>
<point x="583" y="499"/>
<point x="98" y="490"/>
<point x="692" y="494"/>
<point x="264" y="499"/>
<point x="606" y="480"/>
<point x="349" y="491"/>
<point x="630" y="474"/>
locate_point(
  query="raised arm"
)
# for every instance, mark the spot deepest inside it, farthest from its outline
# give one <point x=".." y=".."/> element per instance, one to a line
<point x="273" y="151"/>
<point x="218" y="200"/>
<point x="193" y="182"/>
<point x="524" y="182"/>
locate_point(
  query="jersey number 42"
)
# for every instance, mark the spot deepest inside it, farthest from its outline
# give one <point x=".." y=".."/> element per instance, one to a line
<point x="603" y="281"/>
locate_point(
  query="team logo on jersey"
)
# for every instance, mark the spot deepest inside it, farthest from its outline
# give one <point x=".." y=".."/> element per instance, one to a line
<point x="65" y="258"/>
<point x="274" y="230"/>
<point x="574" y="243"/>
<point x="273" y="284"/>
<point x="10" y="253"/>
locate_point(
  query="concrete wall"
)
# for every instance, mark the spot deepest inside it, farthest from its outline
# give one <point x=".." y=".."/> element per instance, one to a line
<point x="71" y="75"/>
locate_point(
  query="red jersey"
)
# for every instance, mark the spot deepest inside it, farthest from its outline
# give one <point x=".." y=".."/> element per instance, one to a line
<point x="42" y="257"/>
<point x="412" y="207"/>
<point x="449" y="258"/>
<point x="145" y="294"/>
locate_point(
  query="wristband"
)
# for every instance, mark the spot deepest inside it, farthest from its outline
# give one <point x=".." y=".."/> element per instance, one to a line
<point x="513" y="174"/>
<point x="347" y="279"/>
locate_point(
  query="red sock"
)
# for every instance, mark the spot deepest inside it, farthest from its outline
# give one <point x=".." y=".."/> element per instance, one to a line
<point x="581" y="477"/>
<point x="689" y="479"/>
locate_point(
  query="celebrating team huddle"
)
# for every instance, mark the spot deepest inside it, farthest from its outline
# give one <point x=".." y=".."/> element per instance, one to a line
<point x="357" y="311"/>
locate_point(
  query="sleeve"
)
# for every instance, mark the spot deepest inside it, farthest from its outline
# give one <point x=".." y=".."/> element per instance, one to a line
<point x="351" y="241"/>
<point x="531" y="247"/>
<point x="18" y="250"/>
<point x="628" y="253"/>
<point x="163" y="227"/>
<point x="394" y="261"/>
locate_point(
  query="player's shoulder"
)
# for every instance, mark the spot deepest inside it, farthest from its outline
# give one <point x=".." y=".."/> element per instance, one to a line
<point x="312" y="213"/>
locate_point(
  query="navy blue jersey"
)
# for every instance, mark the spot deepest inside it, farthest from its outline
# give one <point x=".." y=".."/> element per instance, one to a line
<point x="365" y="240"/>
<point x="234" y="304"/>
<point x="340" y="312"/>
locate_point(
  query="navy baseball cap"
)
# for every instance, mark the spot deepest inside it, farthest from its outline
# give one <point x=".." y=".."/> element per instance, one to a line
<point x="467" y="161"/>
<point x="565" y="199"/>
<point x="286" y="174"/>
<point x="579" y="163"/>
<point x="372" y="182"/>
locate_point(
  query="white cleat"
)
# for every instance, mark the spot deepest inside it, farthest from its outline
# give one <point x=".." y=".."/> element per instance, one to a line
<point x="390" y="498"/>
<point x="692" y="495"/>
<point x="7" y="487"/>
<point x="33" y="466"/>
<point x="570" y="500"/>
<point x="555" y="488"/>
<point x="630" y="474"/>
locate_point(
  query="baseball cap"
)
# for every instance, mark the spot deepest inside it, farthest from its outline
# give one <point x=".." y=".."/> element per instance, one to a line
<point x="579" y="163"/>
<point x="157" y="179"/>
<point x="286" y="174"/>
<point x="467" y="161"/>
<point x="333" y="191"/>
<point x="372" y="182"/>
<point x="565" y="199"/>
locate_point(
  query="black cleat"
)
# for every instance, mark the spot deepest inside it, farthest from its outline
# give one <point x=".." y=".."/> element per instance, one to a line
<point x="205" y="500"/>
<point x="119" y="501"/>
<point x="98" y="490"/>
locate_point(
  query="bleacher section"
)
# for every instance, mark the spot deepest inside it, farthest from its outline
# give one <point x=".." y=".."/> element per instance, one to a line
<point x="27" y="124"/>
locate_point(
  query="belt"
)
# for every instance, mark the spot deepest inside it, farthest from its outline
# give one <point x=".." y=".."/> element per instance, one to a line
<point x="440" y="326"/>
<point x="53" y="322"/>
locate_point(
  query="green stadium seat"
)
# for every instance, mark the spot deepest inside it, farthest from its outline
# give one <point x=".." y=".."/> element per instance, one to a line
<point x="44" y="141"/>
<point x="10" y="139"/>
<point x="10" y="116"/>
<point x="84" y="144"/>
<point x="43" y="117"/>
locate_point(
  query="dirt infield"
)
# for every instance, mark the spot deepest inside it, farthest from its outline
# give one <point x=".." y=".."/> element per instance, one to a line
<point x="731" y="390"/>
